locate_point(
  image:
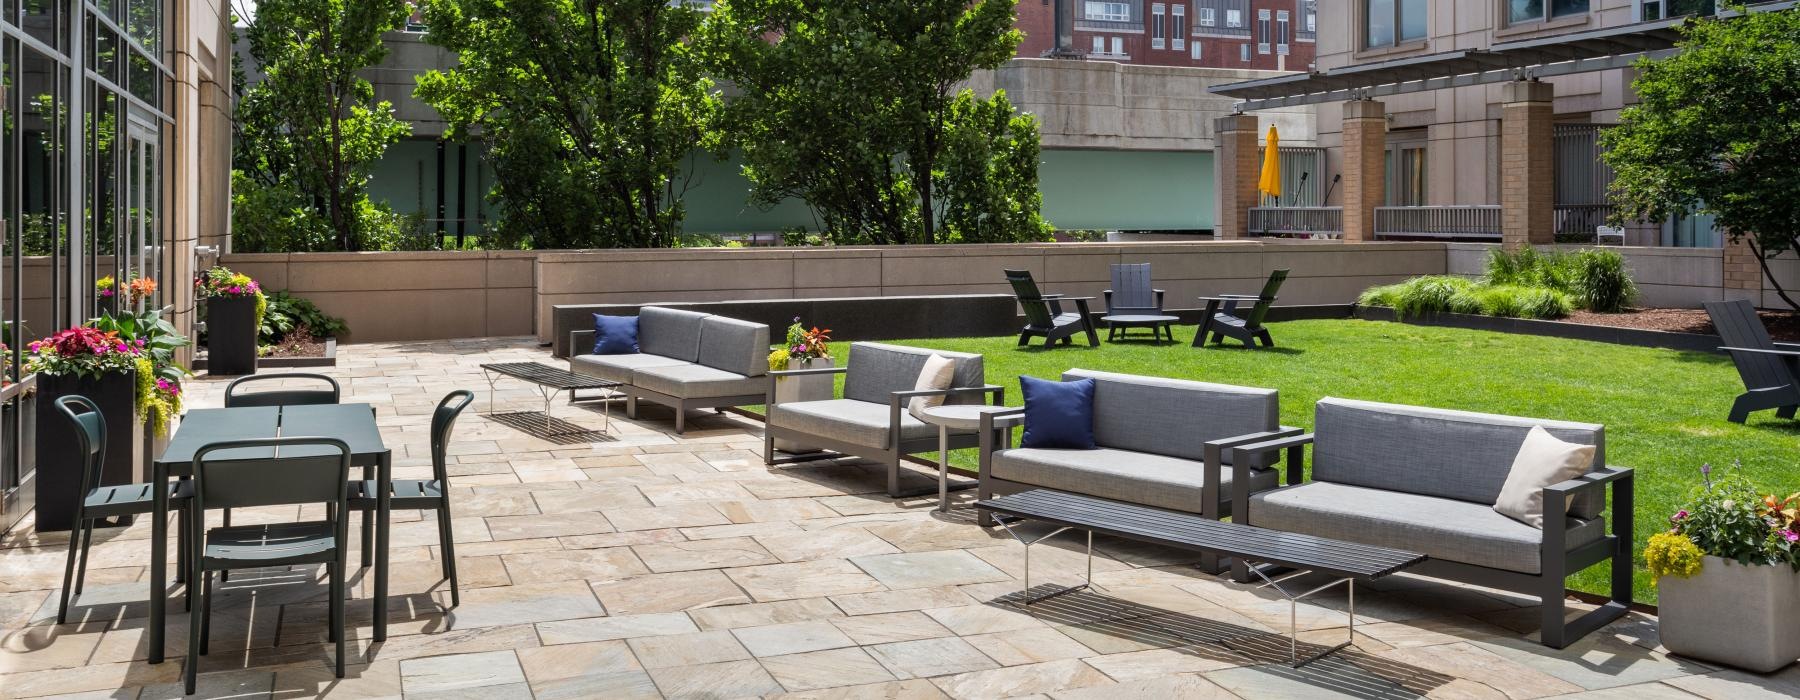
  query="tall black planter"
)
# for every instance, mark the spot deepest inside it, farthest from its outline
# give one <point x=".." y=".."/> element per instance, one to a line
<point x="231" y="335"/>
<point x="59" y="464"/>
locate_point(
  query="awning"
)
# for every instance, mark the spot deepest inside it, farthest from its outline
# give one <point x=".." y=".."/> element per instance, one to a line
<point x="1564" y="54"/>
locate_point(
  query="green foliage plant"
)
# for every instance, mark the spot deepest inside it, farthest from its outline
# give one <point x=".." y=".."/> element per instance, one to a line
<point x="1728" y="517"/>
<point x="287" y="313"/>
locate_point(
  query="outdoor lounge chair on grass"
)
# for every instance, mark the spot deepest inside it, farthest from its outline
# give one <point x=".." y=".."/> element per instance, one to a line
<point x="1771" y="370"/>
<point x="1247" y="328"/>
<point x="1044" y="315"/>
<point x="1133" y="302"/>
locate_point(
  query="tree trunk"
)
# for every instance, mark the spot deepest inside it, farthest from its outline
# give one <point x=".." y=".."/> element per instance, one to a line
<point x="1767" y="274"/>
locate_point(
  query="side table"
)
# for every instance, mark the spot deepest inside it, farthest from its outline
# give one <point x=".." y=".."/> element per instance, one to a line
<point x="954" y="417"/>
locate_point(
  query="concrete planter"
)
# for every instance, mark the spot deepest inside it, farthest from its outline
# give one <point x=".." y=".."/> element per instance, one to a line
<point x="811" y="388"/>
<point x="1741" y="616"/>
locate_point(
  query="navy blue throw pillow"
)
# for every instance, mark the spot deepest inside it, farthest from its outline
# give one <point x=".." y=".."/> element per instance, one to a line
<point x="1058" y="414"/>
<point x="615" y="335"/>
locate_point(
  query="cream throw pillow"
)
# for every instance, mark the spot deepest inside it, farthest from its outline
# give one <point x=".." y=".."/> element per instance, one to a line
<point x="936" y="374"/>
<point x="1542" y="461"/>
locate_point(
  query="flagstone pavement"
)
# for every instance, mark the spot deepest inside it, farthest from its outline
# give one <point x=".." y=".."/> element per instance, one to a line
<point x="639" y="563"/>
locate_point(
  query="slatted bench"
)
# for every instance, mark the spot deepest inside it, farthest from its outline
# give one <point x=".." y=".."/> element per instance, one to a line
<point x="1346" y="562"/>
<point x="550" y="381"/>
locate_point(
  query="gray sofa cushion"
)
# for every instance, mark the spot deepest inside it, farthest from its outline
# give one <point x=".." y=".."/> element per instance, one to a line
<point x="1434" y="452"/>
<point x="856" y="422"/>
<point x="739" y="347"/>
<point x="1441" y="528"/>
<point x="1174" y="417"/>
<point x="698" y="382"/>
<point x="1135" y="477"/>
<point x="877" y="370"/>
<point x="670" y="332"/>
<point x="618" y="368"/>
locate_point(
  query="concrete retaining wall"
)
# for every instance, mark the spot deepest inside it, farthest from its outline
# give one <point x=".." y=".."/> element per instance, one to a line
<point x="1666" y="277"/>
<point x="406" y="296"/>
<point x="864" y="318"/>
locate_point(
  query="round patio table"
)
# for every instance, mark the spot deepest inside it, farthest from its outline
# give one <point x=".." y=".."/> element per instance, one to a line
<point x="946" y="418"/>
<point x="1116" y="326"/>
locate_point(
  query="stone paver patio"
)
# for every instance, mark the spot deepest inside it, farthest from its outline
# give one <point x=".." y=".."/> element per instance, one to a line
<point x="642" y="564"/>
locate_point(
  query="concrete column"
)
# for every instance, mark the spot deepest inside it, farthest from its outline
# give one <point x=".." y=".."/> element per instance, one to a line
<point x="1743" y="272"/>
<point x="1235" y="171"/>
<point x="1527" y="165"/>
<point x="1365" y="167"/>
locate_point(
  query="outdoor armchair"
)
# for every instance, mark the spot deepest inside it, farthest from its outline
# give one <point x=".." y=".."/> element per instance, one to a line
<point x="1244" y="327"/>
<point x="1045" y="316"/>
<point x="1770" y="370"/>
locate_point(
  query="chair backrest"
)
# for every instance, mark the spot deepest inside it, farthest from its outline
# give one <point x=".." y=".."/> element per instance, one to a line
<point x="876" y="370"/>
<point x="1131" y="289"/>
<point x="1739" y="326"/>
<point x="90" y="438"/>
<point x="1174" y="417"/>
<point x="1434" y="452"/>
<point x="272" y="472"/>
<point x="740" y="347"/>
<point x="1037" y="310"/>
<point x="236" y="398"/>
<point x="670" y="332"/>
<point x="1271" y="289"/>
<point x="442" y="420"/>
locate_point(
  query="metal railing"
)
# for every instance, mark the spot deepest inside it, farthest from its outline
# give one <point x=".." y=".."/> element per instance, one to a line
<point x="1581" y="221"/>
<point x="1297" y="221"/>
<point x="1478" y="221"/>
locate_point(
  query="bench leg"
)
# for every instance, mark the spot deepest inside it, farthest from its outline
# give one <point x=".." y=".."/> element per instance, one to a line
<point x="1025" y="596"/>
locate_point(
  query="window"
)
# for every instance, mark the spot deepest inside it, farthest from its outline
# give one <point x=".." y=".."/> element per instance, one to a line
<point x="1109" y="11"/>
<point x="1663" y="9"/>
<point x="1178" y="29"/>
<point x="1392" y="22"/>
<point x="1194" y="50"/>
<point x="1309" y="17"/>
<point x="1526" y="11"/>
<point x="1243" y="52"/>
<point x="1206" y="17"/>
<point x="1158" y="29"/>
<point x="1262" y="31"/>
<point x="1118" y="46"/>
<point x="1281" y="32"/>
<point x="1234" y="18"/>
<point x="1099" y="44"/>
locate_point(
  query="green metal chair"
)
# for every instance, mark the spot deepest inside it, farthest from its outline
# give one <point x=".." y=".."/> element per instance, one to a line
<point x="296" y="471"/>
<point x="1044" y="315"/>
<point x="96" y="502"/>
<point x="235" y="398"/>
<point x="432" y="494"/>
<point x="1248" y="328"/>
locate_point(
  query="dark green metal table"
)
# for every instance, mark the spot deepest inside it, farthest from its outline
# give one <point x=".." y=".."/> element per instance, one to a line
<point x="352" y="423"/>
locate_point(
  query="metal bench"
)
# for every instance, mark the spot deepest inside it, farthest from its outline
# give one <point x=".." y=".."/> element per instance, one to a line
<point x="1344" y="561"/>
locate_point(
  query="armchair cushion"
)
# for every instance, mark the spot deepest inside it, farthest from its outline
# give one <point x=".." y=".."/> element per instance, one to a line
<point x="1058" y="414"/>
<point x="1543" y="460"/>
<point x="615" y="335"/>
<point x="848" y="420"/>
<point x="687" y="381"/>
<point x="1135" y="477"/>
<point x="937" y="374"/>
<point x="619" y="368"/>
<point x="739" y="347"/>
<point x="1441" y="528"/>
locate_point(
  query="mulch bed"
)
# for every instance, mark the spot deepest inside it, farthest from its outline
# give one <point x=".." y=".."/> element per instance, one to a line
<point x="1783" y="326"/>
<point x="298" y="344"/>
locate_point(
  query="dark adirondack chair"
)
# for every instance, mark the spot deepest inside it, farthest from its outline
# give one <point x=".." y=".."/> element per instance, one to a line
<point x="1771" y="370"/>
<point x="1044" y="315"/>
<point x="1246" y="328"/>
<point x="1133" y="302"/>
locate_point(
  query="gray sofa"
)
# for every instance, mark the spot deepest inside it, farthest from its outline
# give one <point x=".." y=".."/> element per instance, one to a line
<point x="686" y="360"/>
<point x="871" y="420"/>
<point x="1160" y="442"/>
<point x="1425" y="480"/>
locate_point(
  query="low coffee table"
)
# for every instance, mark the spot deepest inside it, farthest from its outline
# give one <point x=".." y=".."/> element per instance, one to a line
<point x="1116" y="326"/>
<point x="1346" y="561"/>
<point x="550" y="381"/>
<point x="949" y="417"/>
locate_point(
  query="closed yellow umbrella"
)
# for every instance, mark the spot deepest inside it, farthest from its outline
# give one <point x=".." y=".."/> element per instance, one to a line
<point x="1270" y="184"/>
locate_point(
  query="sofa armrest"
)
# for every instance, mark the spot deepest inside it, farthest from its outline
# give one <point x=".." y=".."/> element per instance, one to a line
<point x="576" y="344"/>
<point x="996" y="435"/>
<point x="1295" y="444"/>
<point x="1214" y="461"/>
<point x="1622" y="483"/>
<point x="897" y="402"/>
<point x="776" y="375"/>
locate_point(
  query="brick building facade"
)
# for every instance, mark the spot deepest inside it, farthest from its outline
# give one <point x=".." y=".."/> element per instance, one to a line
<point x="1249" y="34"/>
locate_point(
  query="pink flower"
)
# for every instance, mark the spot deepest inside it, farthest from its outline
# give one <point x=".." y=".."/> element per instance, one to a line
<point x="1679" y="516"/>
<point x="1790" y="535"/>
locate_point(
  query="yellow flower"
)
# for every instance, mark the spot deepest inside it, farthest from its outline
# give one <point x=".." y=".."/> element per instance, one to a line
<point x="1672" y="554"/>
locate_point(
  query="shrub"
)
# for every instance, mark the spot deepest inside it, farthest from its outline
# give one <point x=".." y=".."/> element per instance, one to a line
<point x="1600" y="281"/>
<point x="1426" y="295"/>
<point x="1382" y="295"/>
<point x="286" y="313"/>
<point x="1517" y="301"/>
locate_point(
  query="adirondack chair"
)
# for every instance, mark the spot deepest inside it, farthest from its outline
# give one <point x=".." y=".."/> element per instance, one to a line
<point x="1134" y="303"/>
<point x="1247" y="328"/>
<point x="1771" y="370"/>
<point x="1044" y="315"/>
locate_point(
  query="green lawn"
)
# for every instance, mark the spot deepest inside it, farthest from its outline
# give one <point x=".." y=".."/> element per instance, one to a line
<point x="1664" y="410"/>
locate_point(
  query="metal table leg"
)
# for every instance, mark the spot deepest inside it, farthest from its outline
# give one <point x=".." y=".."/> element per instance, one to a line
<point x="1294" y="613"/>
<point x="1027" y="598"/>
<point x="943" y="469"/>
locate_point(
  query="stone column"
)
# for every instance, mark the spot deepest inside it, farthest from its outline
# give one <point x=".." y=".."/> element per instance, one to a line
<point x="1235" y="171"/>
<point x="1743" y="278"/>
<point x="1527" y="165"/>
<point x="1365" y="167"/>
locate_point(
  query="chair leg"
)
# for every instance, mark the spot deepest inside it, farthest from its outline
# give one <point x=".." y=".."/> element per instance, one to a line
<point x="62" y="608"/>
<point x="1786" y="412"/>
<point x="337" y="611"/>
<point x="449" y="550"/>
<point x="226" y="575"/>
<point x="631" y="407"/>
<point x="333" y="631"/>
<point x="1024" y="339"/>
<point x="894" y="476"/>
<point x="1741" y="408"/>
<point x="87" y="539"/>
<point x="768" y="446"/>
<point x="206" y="600"/>
<point x="1093" y="337"/>
<point x="193" y="651"/>
<point x="368" y="524"/>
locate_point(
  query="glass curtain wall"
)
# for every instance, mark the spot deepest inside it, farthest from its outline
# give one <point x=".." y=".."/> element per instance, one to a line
<point x="84" y="121"/>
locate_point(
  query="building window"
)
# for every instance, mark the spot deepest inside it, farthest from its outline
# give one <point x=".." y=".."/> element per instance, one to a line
<point x="1309" y="17"/>
<point x="1109" y="11"/>
<point x="1282" y="24"/>
<point x="1158" y="29"/>
<point x="1392" y="22"/>
<point x="1178" y="29"/>
<point x="1194" y="50"/>
<point x="1526" y="11"/>
<point x="1234" y="18"/>
<point x="1664" y="9"/>
<point x="1243" y="52"/>
<point x="1262" y="31"/>
<point x="1099" y="45"/>
<point x="1206" y="17"/>
<point x="1118" y="46"/>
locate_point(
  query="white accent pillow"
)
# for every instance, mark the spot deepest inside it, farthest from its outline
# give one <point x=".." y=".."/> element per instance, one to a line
<point x="1542" y="461"/>
<point x="937" y="373"/>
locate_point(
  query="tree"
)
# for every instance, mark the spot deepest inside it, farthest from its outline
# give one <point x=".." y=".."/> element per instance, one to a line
<point x="312" y="125"/>
<point x="853" y="107"/>
<point x="1717" y="132"/>
<point x="592" y="111"/>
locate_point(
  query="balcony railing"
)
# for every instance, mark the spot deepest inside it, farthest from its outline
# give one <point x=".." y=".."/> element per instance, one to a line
<point x="1480" y="221"/>
<point x="1581" y="222"/>
<point x="1314" y="222"/>
<point x="1109" y="25"/>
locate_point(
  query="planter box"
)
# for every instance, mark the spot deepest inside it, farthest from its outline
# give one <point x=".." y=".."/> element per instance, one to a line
<point x="59" y="464"/>
<point x="812" y="388"/>
<point x="329" y="359"/>
<point x="1741" y="616"/>
<point x="1556" y="329"/>
<point x="231" y="335"/>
